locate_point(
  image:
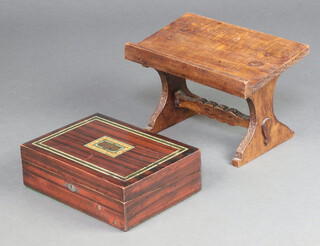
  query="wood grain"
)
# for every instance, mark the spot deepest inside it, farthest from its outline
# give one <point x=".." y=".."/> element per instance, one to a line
<point x="232" y="59"/>
<point x="167" y="114"/>
<point x="229" y="58"/>
<point x="265" y="131"/>
<point x="121" y="215"/>
<point x="73" y="142"/>
<point x="212" y="109"/>
<point x="122" y="204"/>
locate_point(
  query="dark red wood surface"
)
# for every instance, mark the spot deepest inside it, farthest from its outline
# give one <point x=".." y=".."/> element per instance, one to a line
<point x="145" y="152"/>
<point x="122" y="204"/>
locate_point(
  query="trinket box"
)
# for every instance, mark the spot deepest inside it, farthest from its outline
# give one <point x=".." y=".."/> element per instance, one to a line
<point x="113" y="171"/>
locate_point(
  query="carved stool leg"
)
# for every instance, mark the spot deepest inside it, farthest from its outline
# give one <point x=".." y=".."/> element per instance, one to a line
<point x="264" y="131"/>
<point x="167" y="113"/>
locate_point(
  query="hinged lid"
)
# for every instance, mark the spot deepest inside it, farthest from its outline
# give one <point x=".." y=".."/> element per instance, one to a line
<point x="113" y="155"/>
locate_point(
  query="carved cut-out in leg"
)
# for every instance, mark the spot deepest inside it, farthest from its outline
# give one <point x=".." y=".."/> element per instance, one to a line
<point x="167" y="113"/>
<point x="264" y="131"/>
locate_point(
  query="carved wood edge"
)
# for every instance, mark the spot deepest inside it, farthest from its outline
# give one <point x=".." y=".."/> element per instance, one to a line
<point x="167" y="114"/>
<point x="265" y="131"/>
<point x="212" y="109"/>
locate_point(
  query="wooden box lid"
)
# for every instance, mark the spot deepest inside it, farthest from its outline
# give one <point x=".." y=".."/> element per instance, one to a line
<point x="230" y="58"/>
<point x="110" y="156"/>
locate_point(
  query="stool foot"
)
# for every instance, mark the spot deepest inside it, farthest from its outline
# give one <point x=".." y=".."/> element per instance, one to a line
<point x="264" y="131"/>
<point x="167" y="113"/>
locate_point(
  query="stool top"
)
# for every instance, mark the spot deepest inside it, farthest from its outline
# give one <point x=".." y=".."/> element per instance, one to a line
<point x="230" y="58"/>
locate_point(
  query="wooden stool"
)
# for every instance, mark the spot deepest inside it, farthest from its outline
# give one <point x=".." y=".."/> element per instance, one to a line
<point x="233" y="59"/>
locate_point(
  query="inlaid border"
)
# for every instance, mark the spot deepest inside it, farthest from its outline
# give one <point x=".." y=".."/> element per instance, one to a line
<point x="179" y="149"/>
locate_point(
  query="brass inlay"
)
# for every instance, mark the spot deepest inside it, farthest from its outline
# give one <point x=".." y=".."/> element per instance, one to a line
<point x="179" y="149"/>
<point x="109" y="146"/>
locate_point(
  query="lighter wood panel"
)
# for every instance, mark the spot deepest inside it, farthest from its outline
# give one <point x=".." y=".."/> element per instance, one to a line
<point x="230" y="58"/>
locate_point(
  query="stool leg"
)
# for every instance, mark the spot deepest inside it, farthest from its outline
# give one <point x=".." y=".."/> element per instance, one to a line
<point x="167" y="113"/>
<point x="264" y="131"/>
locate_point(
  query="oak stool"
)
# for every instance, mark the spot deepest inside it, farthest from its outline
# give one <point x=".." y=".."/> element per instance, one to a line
<point x="233" y="59"/>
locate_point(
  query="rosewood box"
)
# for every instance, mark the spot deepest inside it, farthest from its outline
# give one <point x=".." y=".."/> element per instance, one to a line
<point x="111" y="170"/>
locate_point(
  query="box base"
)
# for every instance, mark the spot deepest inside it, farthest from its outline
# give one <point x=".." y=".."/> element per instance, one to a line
<point x="122" y="215"/>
